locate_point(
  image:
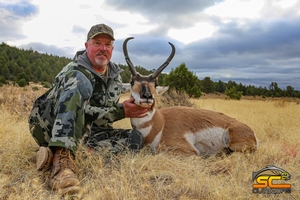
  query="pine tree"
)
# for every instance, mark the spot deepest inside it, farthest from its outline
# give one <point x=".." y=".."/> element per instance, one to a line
<point x="183" y="80"/>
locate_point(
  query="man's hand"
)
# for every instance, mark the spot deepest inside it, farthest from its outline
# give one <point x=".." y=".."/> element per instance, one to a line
<point x="134" y="111"/>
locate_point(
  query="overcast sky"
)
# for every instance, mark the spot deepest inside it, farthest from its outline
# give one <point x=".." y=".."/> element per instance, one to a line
<point x="248" y="41"/>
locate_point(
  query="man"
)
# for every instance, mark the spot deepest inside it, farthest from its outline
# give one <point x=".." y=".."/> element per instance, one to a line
<point x="86" y="102"/>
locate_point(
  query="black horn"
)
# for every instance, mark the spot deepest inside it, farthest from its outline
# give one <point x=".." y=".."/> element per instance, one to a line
<point x="163" y="66"/>
<point x="131" y="67"/>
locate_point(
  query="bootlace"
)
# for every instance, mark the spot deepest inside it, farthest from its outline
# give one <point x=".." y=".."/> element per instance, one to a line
<point x="66" y="160"/>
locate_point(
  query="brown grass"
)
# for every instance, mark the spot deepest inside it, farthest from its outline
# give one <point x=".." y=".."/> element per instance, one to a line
<point x="159" y="176"/>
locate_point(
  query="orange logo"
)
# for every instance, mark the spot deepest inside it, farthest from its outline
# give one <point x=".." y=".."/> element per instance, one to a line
<point x="270" y="180"/>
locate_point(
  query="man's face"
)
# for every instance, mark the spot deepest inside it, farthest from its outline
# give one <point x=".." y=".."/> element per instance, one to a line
<point x="99" y="51"/>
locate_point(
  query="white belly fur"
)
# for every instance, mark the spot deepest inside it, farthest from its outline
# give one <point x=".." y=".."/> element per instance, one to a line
<point x="156" y="141"/>
<point x="209" y="141"/>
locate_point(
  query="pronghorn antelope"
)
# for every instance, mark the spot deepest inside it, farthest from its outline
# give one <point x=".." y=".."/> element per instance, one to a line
<point x="183" y="129"/>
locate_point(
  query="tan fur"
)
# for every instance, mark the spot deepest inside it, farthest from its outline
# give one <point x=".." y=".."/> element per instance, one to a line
<point x="136" y="87"/>
<point x="176" y="121"/>
<point x="185" y="130"/>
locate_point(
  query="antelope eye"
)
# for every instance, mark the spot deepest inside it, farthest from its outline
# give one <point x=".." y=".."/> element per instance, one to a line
<point x="132" y="83"/>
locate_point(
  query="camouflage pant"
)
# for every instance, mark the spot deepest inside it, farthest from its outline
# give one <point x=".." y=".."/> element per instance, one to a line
<point x="101" y="139"/>
<point x="114" y="140"/>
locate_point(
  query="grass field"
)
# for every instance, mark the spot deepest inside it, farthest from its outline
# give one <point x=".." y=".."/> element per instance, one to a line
<point x="156" y="176"/>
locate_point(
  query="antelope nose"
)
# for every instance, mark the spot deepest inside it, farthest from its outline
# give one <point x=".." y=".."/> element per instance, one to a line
<point x="147" y="96"/>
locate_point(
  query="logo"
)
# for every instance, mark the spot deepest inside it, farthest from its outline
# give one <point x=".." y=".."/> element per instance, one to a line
<point x="271" y="180"/>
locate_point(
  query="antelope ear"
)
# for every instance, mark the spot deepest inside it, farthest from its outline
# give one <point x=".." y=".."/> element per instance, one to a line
<point x="124" y="87"/>
<point x="160" y="90"/>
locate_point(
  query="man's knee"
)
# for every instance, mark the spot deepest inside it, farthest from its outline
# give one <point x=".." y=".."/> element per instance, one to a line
<point x="135" y="140"/>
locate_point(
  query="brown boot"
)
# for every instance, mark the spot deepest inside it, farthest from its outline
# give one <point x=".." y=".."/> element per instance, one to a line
<point x="44" y="158"/>
<point x="63" y="175"/>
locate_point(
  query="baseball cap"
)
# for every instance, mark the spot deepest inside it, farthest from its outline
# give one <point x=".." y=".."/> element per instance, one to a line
<point x="100" y="29"/>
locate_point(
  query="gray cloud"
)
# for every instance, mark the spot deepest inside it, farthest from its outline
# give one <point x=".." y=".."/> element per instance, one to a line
<point x="12" y="18"/>
<point x="254" y="51"/>
<point x="21" y="9"/>
<point x="258" y="53"/>
<point x="50" y="49"/>
<point x="78" y="30"/>
<point x="167" y="14"/>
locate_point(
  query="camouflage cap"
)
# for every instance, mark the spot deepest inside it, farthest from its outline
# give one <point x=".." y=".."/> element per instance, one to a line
<point x="100" y="29"/>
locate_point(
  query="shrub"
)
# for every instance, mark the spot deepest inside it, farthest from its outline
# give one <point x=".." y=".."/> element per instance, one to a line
<point x="34" y="88"/>
<point x="46" y="85"/>
<point x="22" y="82"/>
<point x="232" y="93"/>
<point x="174" y="98"/>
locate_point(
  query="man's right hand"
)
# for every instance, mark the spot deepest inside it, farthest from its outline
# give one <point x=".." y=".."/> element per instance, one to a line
<point x="132" y="110"/>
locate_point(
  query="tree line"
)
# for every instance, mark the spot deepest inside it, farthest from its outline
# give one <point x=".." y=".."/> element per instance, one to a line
<point x="23" y="66"/>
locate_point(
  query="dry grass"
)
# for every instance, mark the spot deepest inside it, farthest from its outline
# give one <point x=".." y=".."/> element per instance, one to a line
<point x="159" y="176"/>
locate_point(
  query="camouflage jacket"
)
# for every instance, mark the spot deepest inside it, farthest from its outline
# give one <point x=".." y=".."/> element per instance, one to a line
<point x="83" y="98"/>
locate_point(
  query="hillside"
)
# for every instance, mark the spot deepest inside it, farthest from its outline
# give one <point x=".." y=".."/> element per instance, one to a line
<point x="23" y="66"/>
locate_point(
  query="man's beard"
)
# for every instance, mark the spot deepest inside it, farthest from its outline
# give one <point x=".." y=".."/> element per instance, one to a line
<point x="101" y="62"/>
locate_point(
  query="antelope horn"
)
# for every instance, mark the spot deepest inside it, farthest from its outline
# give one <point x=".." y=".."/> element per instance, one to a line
<point x="130" y="65"/>
<point x="163" y="66"/>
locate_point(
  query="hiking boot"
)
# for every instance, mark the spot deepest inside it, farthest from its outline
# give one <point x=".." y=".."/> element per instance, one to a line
<point x="44" y="158"/>
<point x="63" y="175"/>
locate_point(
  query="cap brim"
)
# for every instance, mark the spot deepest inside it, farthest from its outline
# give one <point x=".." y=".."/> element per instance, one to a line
<point x="102" y="33"/>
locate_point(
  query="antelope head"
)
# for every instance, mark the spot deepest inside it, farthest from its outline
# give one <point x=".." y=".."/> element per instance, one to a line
<point x="143" y="88"/>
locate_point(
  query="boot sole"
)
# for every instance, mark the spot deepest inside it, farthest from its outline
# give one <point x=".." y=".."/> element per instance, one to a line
<point x="44" y="158"/>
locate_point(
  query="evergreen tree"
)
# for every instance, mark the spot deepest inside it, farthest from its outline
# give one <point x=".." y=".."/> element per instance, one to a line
<point x="275" y="90"/>
<point x="2" y="80"/>
<point x="220" y="87"/>
<point x="6" y="72"/>
<point x="290" y="92"/>
<point x="183" y="80"/>
<point x="207" y="85"/>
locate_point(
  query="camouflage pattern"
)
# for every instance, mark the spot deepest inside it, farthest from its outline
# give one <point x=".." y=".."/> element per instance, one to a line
<point x="41" y="118"/>
<point x="114" y="140"/>
<point x="81" y="103"/>
<point x="100" y="29"/>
